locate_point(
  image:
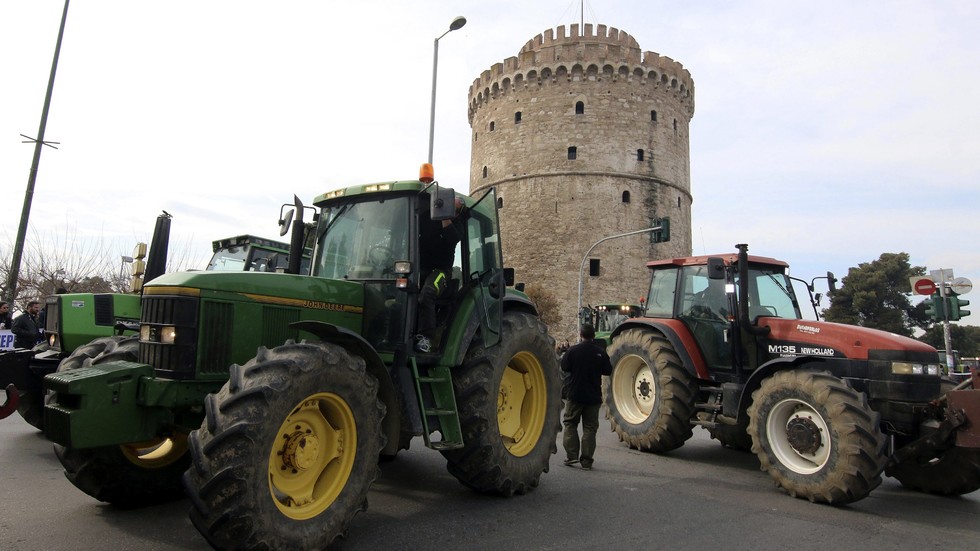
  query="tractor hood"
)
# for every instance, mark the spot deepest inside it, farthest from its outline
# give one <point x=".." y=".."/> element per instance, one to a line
<point x="834" y="339"/>
<point x="282" y="289"/>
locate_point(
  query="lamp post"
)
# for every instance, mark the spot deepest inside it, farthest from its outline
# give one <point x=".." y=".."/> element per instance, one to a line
<point x="455" y="25"/>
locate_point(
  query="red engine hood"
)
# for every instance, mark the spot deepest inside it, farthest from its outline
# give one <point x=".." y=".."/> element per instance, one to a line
<point x="852" y="341"/>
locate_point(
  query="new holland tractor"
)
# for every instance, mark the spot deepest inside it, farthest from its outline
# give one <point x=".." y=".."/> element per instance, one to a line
<point x="826" y="407"/>
<point x="278" y="393"/>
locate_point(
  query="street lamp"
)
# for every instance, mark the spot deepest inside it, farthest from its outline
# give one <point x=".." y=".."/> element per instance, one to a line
<point x="455" y="25"/>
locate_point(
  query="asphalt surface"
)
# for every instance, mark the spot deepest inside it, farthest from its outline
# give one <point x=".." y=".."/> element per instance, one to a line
<point x="702" y="496"/>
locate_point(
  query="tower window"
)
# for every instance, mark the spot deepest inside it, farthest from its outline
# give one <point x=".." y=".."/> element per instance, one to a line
<point x="626" y="196"/>
<point x="675" y="127"/>
<point x="572" y="153"/>
<point x="484" y="172"/>
<point x="678" y="201"/>
<point x="653" y="116"/>
<point x="492" y="125"/>
<point x="580" y="108"/>
<point x="500" y="203"/>
<point x="639" y="154"/>
<point x="517" y="117"/>
<point x="594" y="267"/>
<point x="475" y="136"/>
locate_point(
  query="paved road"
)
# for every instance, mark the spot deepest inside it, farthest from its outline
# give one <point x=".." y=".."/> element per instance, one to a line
<point x="701" y="496"/>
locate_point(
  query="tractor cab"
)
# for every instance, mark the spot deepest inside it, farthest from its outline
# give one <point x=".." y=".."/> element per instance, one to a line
<point x="371" y="235"/>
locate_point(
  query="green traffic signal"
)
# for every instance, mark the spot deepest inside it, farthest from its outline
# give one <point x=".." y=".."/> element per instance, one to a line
<point x="955" y="308"/>
<point x="935" y="307"/>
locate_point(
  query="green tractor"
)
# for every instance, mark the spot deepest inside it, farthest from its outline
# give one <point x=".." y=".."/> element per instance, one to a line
<point x="78" y="326"/>
<point x="278" y="393"/>
<point x="607" y="317"/>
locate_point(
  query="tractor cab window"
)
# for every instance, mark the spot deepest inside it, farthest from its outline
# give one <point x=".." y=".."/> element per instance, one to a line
<point x="362" y="240"/>
<point x="703" y="297"/>
<point x="229" y="259"/>
<point x="660" y="301"/>
<point x="771" y="294"/>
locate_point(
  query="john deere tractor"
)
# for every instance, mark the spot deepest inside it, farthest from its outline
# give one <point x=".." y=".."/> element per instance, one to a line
<point x="279" y="392"/>
<point x="826" y="407"/>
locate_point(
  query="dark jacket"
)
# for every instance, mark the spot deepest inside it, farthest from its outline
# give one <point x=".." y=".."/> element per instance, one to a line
<point x="26" y="331"/>
<point x="585" y="363"/>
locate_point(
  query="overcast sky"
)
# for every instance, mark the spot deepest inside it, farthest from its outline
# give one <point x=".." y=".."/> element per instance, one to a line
<point x="825" y="133"/>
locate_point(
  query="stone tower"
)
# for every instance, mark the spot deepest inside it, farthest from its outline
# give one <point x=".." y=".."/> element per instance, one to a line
<point x="584" y="136"/>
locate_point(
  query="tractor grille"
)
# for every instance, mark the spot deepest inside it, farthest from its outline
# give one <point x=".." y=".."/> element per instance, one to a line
<point x="218" y="324"/>
<point x="171" y="360"/>
<point x="103" y="310"/>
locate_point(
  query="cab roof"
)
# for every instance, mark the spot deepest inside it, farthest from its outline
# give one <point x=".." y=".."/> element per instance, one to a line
<point x="729" y="258"/>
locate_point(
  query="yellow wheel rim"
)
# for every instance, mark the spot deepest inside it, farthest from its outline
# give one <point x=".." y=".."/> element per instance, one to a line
<point x="522" y="404"/>
<point x="157" y="453"/>
<point x="312" y="456"/>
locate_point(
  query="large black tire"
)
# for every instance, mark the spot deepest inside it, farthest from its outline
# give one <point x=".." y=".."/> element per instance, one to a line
<point x="128" y="475"/>
<point x="649" y="397"/>
<point x="509" y="401"/>
<point x="817" y="437"/>
<point x="287" y="451"/>
<point x="955" y="471"/>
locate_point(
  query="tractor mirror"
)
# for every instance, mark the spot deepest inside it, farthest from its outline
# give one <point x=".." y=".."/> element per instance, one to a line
<point x="285" y="222"/>
<point x="509" y="277"/>
<point x="442" y="203"/>
<point x="716" y="267"/>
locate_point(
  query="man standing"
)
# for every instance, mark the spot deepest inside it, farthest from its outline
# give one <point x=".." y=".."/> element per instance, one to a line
<point x="585" y="364"/>
<point x="26" y="330"/>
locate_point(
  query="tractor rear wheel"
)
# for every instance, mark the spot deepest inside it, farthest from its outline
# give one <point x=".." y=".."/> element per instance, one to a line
<point x="287" y="451"/>
<point x="129" y="475"/>
<point x="649" y="396"/>
<point x="509" y="401"/>
<point x="816" y="437"/>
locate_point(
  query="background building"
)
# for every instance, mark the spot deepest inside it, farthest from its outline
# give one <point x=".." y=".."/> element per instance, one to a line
<point x="584" y="136"/>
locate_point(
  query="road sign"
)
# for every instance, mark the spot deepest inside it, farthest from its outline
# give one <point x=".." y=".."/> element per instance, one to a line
<point x="961" y="286"/>
<point x="923" y="285"/>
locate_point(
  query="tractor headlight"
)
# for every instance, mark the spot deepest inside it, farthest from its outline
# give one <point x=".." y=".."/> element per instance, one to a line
<point x="909" y="368"/>
<point x="164" y="335"/>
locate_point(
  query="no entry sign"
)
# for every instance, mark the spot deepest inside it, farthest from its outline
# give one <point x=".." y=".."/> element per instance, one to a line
<point x="923" y="286"/>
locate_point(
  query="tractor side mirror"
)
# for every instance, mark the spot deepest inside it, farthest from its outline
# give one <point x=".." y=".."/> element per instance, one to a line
<point x="442" y="203"/>
<point x="716" y="267"/>
<point x="509" y="277"/>
<point x="285" y="222"/>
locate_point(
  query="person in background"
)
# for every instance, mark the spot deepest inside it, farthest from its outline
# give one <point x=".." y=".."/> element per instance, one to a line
<point x="27" y="332"/>
<point x="5" y="320"/>
<point x="583" y="366"/>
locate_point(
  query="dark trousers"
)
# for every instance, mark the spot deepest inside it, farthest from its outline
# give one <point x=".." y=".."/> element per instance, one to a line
<point x="589" y="415"/>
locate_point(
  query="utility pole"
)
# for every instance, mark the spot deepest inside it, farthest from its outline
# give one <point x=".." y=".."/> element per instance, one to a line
<point x="29" y="195"/>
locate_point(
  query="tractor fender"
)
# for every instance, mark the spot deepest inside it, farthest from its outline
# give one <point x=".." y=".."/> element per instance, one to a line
<point x="328" y="332"/>
<point x="767" y="370"/>
<point x="513" y="302"/>
<point x="680" y="338"/>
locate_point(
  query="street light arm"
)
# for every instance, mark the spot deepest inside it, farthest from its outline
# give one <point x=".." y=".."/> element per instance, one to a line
<point x="594" y="245"/>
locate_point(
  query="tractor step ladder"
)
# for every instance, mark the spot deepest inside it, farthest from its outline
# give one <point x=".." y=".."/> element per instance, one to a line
<point x="708" y="418"/>
<point x="439" y="402"/>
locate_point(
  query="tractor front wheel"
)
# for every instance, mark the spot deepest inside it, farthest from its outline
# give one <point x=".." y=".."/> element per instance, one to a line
<point x="509" y="401"/>
<point x="129" y="475"/>
<point x="649" y="396"/>
<point x="287" y="451"/>
<point x="816" y="437"/>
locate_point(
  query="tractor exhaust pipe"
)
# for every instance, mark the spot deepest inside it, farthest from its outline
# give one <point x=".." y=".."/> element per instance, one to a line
<point x="297" y="239"/>
<point x="743" y="293"/>
<point x="156" y="261"/>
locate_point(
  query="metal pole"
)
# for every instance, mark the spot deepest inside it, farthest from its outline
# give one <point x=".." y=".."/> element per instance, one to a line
<point x="29" y="195"/>
<point x="586" y="257"/>
<point x="947" y="338"/>
<point x="456" y="24"/>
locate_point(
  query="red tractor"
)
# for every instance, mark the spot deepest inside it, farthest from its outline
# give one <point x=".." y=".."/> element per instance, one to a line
<point x="826" y="407"/>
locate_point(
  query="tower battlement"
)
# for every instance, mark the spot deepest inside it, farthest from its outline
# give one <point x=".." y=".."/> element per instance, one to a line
<point x="609" y="55"/>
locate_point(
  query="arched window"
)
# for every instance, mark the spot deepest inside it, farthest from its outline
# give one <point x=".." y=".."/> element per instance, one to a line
<point x="579" y="107"/>
<point x="500" y="203"/>
<point x="572" y="153"/>
<point x="517" y="117"/>
<point x="492" y="125"/>
<point x="653" y="116"/>
<point x="484" y="172"/>
<point x="626" y="196"/>
<point x="639" y="154"/>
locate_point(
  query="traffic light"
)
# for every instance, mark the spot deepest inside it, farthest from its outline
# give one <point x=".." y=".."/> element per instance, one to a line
<point x="935" y="307"/>
<point x="663" y="234"/>
<point x="955" y="308"/>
